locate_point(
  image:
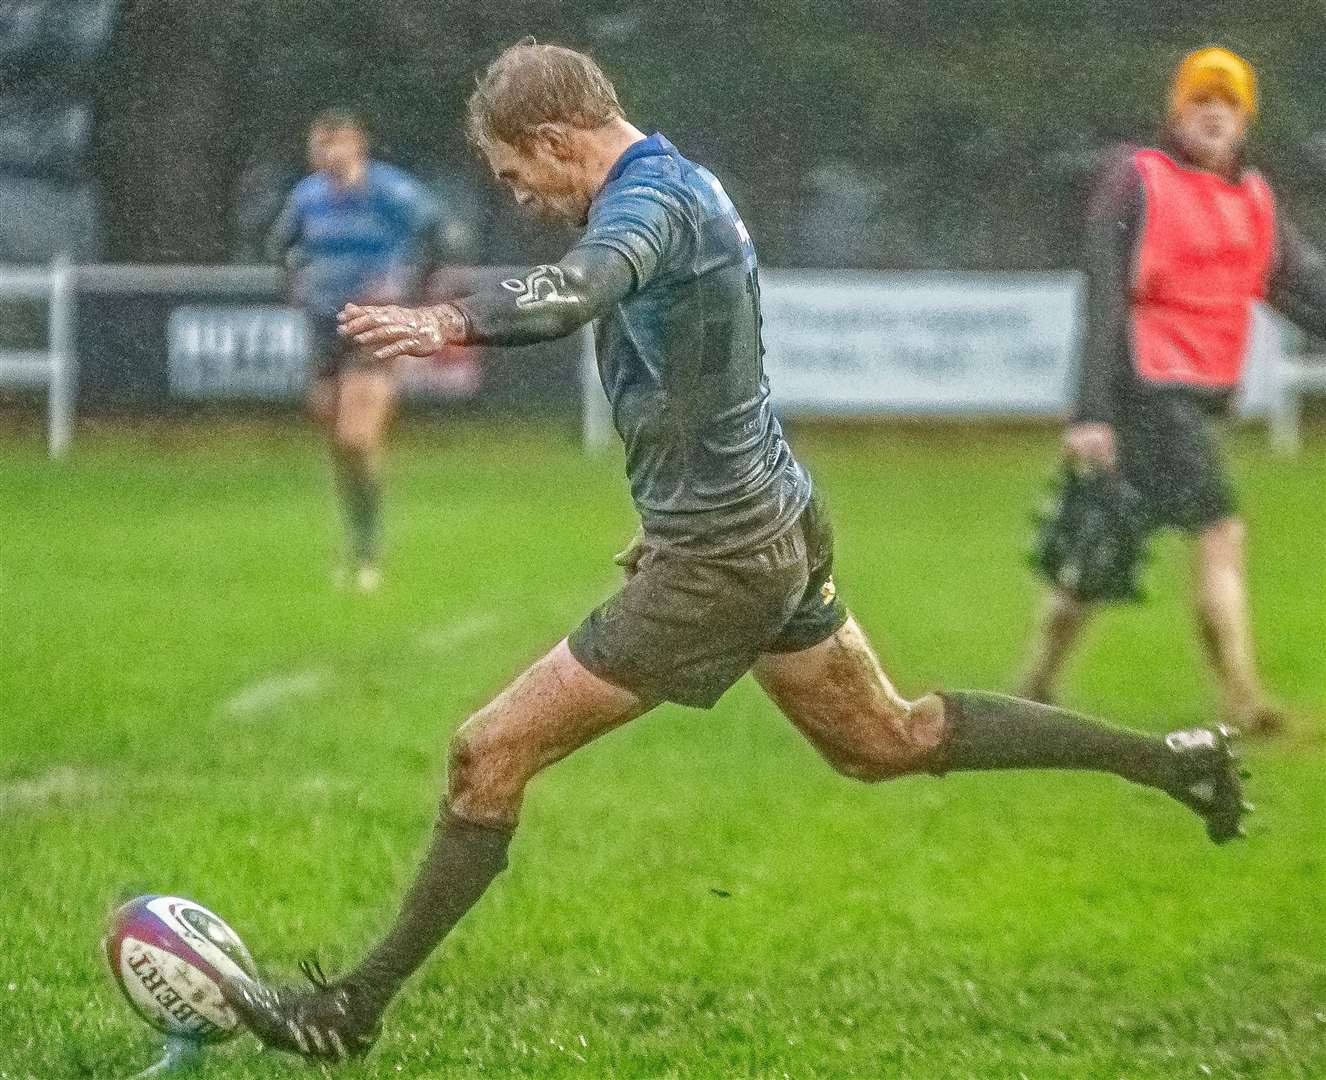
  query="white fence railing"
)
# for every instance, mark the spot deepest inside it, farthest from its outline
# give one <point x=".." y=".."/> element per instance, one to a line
<point x="1292" y="377"/>
<point x="55" y="368"/>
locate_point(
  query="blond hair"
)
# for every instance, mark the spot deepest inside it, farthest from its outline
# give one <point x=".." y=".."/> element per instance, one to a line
<point x="531" y="84"/>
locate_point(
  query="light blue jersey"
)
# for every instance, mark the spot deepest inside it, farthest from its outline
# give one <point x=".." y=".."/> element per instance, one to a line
<point x="363" y="243"/>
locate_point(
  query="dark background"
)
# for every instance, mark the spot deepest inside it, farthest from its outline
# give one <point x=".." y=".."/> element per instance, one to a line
<point x="953" y="134"/>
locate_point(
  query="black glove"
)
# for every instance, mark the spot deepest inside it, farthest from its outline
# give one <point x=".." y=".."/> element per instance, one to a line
<point x="1093" y="536"/>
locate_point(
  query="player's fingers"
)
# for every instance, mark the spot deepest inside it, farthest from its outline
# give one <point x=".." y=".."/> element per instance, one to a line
<point x="362" y="325"/>
<point x="404" y="347"/>
<point x="383" y="335"/>
<point x="359" y="313"/>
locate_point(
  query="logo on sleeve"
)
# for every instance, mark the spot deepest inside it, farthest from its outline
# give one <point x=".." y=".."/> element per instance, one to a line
<point x="544" y="284"/>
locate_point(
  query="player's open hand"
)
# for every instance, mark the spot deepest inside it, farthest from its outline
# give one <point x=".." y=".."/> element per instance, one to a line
<point x="390" y="330"/>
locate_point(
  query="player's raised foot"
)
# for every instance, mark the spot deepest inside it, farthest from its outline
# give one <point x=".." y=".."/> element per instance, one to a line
<point x="1208" y="780"/>
<point x="325" y="1021"/>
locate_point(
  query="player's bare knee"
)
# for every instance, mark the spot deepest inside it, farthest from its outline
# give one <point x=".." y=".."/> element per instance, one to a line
<point x="909" y="738"/>
<point x="926" y="723"/>
<point x="485" y="762"/>
<point x="468" y="761"/>
<point x="355" y="440"/>
<point x="465" y="762"/>
<point x="1222" y="542"/>
<point x="1064" y="605"/>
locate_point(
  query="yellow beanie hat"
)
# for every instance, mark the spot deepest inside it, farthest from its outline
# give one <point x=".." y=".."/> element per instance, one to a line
<point x="1214" y="70"/>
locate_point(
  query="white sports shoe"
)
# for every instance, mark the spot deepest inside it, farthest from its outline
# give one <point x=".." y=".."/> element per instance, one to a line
<point x="368" y="578"/>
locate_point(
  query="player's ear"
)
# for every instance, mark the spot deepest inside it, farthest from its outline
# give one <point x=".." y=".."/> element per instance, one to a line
<point x="556" y="140"/>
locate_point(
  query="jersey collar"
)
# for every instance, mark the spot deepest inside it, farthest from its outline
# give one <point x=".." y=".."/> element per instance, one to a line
<point x="1171" y="146"/>
<point x="654" y="146"/>
<point x="370" y="168"/>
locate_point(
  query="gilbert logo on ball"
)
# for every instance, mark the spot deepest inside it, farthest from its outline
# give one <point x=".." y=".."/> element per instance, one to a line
<point x="171" y="957"/>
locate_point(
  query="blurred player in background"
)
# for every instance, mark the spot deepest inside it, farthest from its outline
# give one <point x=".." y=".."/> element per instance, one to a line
<point x="1181" y="241"/>
<point x="733" y="573"/>
<point x="356" y="229"/>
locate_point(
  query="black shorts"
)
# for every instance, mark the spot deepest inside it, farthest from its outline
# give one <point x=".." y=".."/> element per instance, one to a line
<point x="329" y="353"/>
<point x="1169" y="452"/>
<point x="684" y="627"/>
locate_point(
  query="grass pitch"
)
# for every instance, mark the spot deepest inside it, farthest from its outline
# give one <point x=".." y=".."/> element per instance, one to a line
<point x="186" y="706"/>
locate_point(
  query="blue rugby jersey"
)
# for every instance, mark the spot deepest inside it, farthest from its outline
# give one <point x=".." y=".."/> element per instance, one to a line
<point x="354" y="244"/>
<point x="681" y="358"/>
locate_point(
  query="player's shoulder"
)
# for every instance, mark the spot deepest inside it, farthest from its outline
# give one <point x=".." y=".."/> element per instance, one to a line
<point x="1162" y="158"/>
<point x="1121" y="161"/>
<point x="311" y="189"/>
<point x="660" y="182"/>
<point x="392" y="179"/>
<point x="1115" y="177"/>
<point x="1151" y="161"/>
<point x="1253" y="176"/>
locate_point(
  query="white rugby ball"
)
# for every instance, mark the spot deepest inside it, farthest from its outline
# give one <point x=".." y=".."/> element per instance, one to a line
<point x="170" y="957"/>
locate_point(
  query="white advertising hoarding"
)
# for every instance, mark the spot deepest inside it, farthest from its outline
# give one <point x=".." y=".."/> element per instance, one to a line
<point x="844" y="342"/>
<point x="839" y="343"/>
<point x="251" y="351"/>
<point x="261" y="352"/>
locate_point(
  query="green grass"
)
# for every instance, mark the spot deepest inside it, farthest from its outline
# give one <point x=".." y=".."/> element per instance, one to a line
<point x="696" y="895"/>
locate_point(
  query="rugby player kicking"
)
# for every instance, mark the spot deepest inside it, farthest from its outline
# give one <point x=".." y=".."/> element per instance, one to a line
<point x="732" y="573"/>
<point x="1181" y="240"/>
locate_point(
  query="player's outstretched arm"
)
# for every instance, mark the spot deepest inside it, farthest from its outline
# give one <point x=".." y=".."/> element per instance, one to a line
<point x="545" y="302"/>
<point x="1298" y="282"/>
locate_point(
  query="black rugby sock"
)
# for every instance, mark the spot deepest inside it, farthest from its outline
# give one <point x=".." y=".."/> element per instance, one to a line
<point x="361" y="499"/>
<point x="462" y="859"/>
<point x="993" y="731"/>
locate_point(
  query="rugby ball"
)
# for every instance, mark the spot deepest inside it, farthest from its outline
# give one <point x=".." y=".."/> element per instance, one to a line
<point x="171" y="957"/>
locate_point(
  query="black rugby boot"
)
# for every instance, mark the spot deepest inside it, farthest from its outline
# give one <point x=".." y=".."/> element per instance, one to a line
<point x="322" y="1022"/>
<point x="1208" y="780"/>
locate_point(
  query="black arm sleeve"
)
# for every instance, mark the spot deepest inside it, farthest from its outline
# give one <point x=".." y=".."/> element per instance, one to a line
<point x="549" y="301"/>
<point x="1298" y="280"/>
<point x="1114" y="224"/>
